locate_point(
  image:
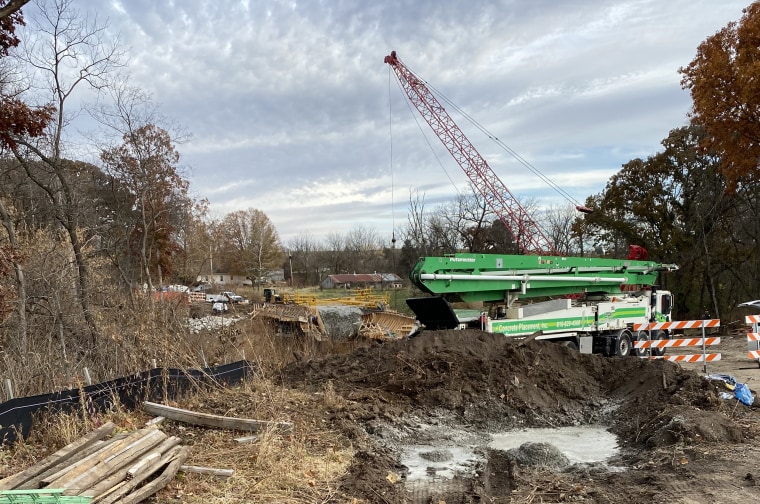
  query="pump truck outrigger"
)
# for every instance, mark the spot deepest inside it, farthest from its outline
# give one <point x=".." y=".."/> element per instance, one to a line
<point x="590" y="304"/>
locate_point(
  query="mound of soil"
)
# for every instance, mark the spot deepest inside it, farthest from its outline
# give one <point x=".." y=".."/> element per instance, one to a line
<point x="670" y="421"/>
<point x="490" y="381"/>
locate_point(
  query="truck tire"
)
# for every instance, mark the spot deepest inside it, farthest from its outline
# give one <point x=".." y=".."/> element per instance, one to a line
<point x="642" y="336"/>
<point x="659" y="335"/>
<point x="623" y="344"/>
<point x="572" y="345"/>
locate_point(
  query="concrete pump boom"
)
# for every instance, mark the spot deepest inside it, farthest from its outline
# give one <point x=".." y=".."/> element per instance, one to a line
<point x="524" y="230"/>
<point x="504" y="278"/>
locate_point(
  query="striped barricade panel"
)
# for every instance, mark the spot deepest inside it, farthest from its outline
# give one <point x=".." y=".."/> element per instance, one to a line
<point x="683" y="342"/>
<point x="689" y="358"/>
<point x="679" y="324"/>
<point x="752" y="319"/>
<point x="753" y="345"/>
<point x="680" y="342"/>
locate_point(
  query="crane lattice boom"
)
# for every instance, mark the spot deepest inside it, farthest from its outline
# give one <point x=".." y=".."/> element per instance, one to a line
<point x="524" y="230"/>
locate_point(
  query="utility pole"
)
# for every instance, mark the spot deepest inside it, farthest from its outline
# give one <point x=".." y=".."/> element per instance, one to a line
<point x="290" y="262"/>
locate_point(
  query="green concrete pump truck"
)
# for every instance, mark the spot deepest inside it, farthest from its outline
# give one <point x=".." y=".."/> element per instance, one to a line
<point x="589" y="304"/>
<point x="586" y="303"/>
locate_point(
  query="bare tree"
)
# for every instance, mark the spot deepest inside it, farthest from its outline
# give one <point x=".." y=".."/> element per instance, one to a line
<point x="361" y="248"/>
<point x="251" y="243"/>
<point x="8" y="257"/>
<point x="335" y="258"/>
<point x="65" y="51"/>
<point x="16" y="119"/>
<point x="558" y="221"/>
<point x="302" y="251"/>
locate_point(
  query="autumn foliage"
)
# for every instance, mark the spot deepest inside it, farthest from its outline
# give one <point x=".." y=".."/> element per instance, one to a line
<point x="16" y="117"/>
<point x="723" y="81"/>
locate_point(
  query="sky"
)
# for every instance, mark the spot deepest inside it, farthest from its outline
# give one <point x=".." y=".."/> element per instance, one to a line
<point x="292" y="111"/>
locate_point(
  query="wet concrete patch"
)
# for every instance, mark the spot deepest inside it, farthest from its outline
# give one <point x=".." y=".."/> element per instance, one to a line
<point x="580" y="444"/>
<point x="448" y="463"/>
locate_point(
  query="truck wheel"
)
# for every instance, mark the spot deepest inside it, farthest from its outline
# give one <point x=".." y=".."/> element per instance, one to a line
<point x="642" y="336"/>
<point x="572" y="345"/>
<point x="623" y="344"/>
<point x="659" y="335"/>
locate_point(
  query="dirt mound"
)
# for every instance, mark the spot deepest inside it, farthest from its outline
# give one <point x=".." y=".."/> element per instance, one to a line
<point x="539" y="454"/>
<point x="488" y="382"/>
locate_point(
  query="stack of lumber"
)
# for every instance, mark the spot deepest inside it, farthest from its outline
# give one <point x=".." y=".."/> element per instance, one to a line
<point x="103" y="468"/>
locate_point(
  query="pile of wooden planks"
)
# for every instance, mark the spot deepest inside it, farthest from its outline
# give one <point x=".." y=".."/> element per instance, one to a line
<point x="103" y="468"/>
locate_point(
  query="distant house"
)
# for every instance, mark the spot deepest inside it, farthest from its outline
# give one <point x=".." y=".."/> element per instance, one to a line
<point x="354" y="281"/>
<point x="223" y="279"/>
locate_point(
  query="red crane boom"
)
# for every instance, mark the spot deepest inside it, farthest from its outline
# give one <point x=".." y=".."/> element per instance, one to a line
<point x="524" y="230"/>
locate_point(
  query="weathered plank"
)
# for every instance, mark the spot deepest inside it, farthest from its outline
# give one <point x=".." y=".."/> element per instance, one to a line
<point x="73" y="461"/>
<point x="66" y="474"/>
<point x="210" y="471"/>
<point x="155" y="421"/>
<point x="209" y="420"/>
<point x="59" y="456"/>
<point x="127" y="473"/>
<point x="108" y="465"/>
<point x="159" y="482"/>
<point x="119" y="494"/>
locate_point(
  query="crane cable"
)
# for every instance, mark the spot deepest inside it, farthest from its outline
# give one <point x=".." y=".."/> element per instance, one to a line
<point x="501" y="144"/>
<point x="413" y="113"/>
<point x="393" y="183"/>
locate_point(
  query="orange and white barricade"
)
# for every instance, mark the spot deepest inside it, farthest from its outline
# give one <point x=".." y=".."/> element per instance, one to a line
<point x="753" y="338"/>
<point x="702" y="342"/>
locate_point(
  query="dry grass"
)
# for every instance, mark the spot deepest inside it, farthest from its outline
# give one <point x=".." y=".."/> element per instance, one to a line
<point x="304" y="467"/>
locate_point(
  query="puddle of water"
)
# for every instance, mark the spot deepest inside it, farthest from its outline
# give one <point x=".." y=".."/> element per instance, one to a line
<point x="456" y="452"/>
<point x="444" y="461"/>
<point x="427" y="462"/>
<point x="579" y="444"/>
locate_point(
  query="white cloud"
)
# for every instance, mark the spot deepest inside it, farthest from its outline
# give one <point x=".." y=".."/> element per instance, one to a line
<point x="288" y="102"/>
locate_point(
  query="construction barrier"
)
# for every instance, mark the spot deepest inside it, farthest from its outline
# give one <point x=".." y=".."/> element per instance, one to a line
<point x="683" y="324"/>
<point x="197" y="297"/>
<point x="753" y="338"/>
<point x="702" y="342"/>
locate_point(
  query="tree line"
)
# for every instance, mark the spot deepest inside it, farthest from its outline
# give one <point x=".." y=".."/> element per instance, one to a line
<point x="84" y="238"/>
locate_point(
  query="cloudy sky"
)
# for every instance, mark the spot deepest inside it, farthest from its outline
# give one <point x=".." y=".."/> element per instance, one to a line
<point x="292" y="110"/>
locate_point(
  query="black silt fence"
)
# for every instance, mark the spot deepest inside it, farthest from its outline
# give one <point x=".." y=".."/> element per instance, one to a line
<point x="16" y="415"/>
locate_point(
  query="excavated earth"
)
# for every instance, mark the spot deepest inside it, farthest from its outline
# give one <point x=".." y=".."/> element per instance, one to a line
<point x="680" y="439"/>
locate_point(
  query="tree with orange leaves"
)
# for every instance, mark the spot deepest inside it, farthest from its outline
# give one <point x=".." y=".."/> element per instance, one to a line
<point x="724" y="82"/>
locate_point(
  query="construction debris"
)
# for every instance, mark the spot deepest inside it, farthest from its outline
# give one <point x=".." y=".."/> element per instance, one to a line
<point x="362" y="314"/>
<point x="290" y="318"/>
<point x="385" y="325"/>
<point x="128" y="467"/>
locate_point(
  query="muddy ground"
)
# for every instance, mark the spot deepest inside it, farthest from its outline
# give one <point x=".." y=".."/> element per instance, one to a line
<point x="680" y="440"/>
